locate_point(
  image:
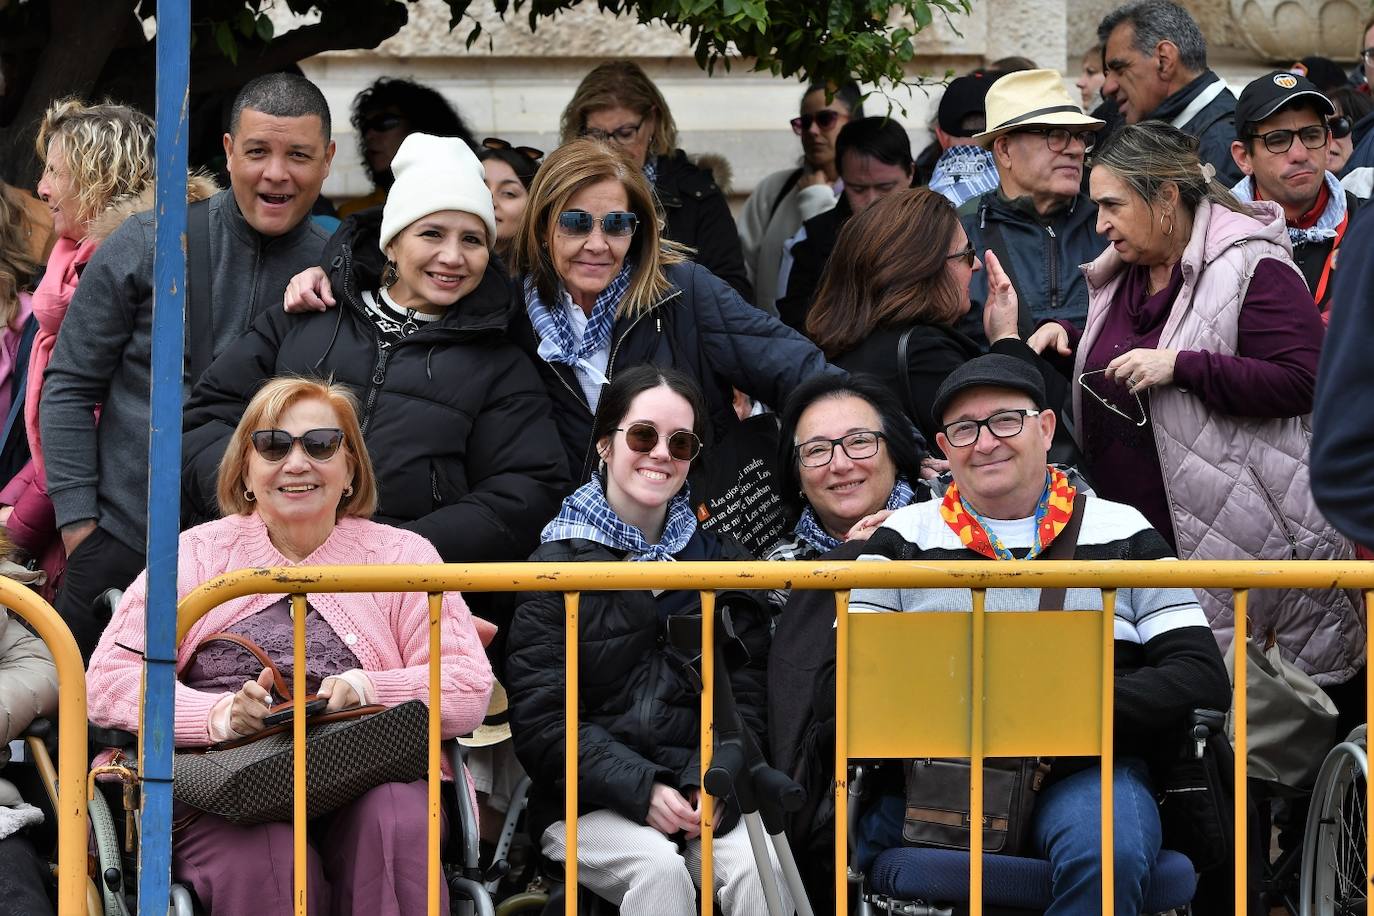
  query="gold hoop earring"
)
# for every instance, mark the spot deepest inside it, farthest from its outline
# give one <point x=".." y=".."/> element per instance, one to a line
<point x="389" y="275"/>
<point x="1172" y="221"/>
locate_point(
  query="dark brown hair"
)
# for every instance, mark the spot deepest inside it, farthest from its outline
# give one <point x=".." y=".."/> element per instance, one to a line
<point x="888" y="268"/>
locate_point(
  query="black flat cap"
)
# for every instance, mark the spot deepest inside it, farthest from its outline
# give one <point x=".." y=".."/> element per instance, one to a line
<point x="992" y="370"/>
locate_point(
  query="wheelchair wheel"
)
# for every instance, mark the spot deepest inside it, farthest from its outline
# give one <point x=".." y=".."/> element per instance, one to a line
<point x="1333" y="863"/>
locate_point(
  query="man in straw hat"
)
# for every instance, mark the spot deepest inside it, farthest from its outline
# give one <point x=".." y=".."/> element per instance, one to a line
<point x="1037" y="221"/>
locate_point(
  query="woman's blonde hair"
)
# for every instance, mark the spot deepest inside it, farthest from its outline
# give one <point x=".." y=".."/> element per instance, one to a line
<point x="566" y="171"/>
<point x="264" y="412"/>
<point x="108" y="147"/>
<point x="621" y="84"/>
<point x="1152" y="155"/>
<point x="16" y="266"/>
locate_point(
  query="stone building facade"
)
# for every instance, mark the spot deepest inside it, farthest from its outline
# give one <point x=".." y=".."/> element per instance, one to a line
<point x="514" y="83"/>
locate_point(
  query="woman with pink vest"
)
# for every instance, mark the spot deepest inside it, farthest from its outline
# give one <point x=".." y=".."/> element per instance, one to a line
<point x="1193" y="388"/>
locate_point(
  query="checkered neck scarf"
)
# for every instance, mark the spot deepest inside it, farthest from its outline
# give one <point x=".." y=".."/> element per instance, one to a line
<point x="651" y="169"/>
<point x="809" y="530"/>
<point x="554" y="329"/>
<point x="586" y="514"/>
<point x="1327" y="223"/>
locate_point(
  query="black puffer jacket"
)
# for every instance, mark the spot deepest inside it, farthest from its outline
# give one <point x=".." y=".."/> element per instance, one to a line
<point x="697" y="214"/>
<point x="640" y="721"/>
<point x="454" y="416"/>
<point x="701" y="327"/>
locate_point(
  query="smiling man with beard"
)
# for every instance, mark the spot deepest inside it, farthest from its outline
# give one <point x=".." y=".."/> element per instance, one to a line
<point x="1283" y="139"/>
<point x="259" y="235"/>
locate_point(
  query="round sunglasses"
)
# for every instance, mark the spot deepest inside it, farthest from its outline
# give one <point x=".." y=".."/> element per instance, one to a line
<point x="319" y="444"/>
<point x="642" y="437"/>
<point x="824" y="119"/>
<point x="579" y="223"/>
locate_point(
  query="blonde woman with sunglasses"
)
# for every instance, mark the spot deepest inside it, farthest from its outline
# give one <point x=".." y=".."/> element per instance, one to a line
<point x="639" y="770"/>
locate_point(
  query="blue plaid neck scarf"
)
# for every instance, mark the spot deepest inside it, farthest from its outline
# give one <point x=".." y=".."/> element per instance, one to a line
<point x="1327" y="223"/>
<point x="809" y="530"/>
<point x="651" y="169"/>
<point x="554" y="329"/>
<point x="586" y="514"/>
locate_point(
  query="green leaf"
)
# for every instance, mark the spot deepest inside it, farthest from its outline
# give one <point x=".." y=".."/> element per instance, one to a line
<point x="243" y="21"/>
<point x="731" y="8"/>
<point x="474" y="35"/>
<point x="264" y="27"/>
<point x="224" y="38"/>
<point x="920" y="11"/>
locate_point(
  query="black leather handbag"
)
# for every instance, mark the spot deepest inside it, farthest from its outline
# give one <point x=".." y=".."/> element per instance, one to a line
<point x="251" y="780"/>
<point x="937" y="802"/>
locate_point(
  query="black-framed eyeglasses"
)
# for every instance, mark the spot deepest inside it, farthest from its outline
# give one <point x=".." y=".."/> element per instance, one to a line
<point x="824" y="119"/>
<point x="1313" y="136"/>
<point x="1340" y="126"/>
<point x="381" y="123"/>
<point x="1058" y="139"/>
<point x="625" y="133"/>
<point x="319" y="444"/>
<point x="616" y="224"/>
<point x="817" y="453"/>
<point x="968" y="253"/>
<point x="1144" y="417"/>
<point x="683" y="445"/>
<point x="529" y="152"/>
<point x="1004" y="425"/>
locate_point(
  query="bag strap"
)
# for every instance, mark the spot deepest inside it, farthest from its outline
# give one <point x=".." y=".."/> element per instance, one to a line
<point x="992" y="233"/>
<point x="278" y="681"/>
<point x="1062" y="548"/>
<point x="904" y="374"/>
<point x="787" y="187"/>
<point x="199" y="320"/>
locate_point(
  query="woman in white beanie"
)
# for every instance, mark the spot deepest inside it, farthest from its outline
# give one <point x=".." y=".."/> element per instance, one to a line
<point x="455" y="417"/>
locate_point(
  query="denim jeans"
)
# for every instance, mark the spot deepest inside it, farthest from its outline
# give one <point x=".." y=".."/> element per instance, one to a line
<point x="1065" y="830"/>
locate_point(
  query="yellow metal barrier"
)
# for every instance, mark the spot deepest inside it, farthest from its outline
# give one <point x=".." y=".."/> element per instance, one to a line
<point x="70" y="809"/>
<point x="992" y="728"/>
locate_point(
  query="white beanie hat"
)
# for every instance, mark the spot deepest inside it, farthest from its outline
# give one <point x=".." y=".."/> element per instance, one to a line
<point x="433" y="174"/>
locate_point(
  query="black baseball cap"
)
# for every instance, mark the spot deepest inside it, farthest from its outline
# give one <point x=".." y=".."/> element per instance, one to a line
<point x="965" y="96"/>
<point x="992" y="370"/>
<point x="1275" y="90"/>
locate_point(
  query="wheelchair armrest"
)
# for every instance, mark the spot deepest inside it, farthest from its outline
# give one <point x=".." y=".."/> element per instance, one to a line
<point x="45" y="730"/>
<point x="1203" y="724"/>
<point x="110" y="737"/>
<point x="469" y="840"/>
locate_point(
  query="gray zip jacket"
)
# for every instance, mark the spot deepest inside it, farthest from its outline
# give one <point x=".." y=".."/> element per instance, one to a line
<point x="99" y="469"/>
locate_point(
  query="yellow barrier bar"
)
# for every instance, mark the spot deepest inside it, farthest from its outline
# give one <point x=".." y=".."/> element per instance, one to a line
<point x="435" y="874"/>
<point x="570" y="729"/>
<point x="978" y="694"/>
<point x="1239" y="715"/>
<point x="708" y="734"/>
<point x="842" y="752"/>
<point x="1369" y="699"/>
<point x="1107" y="765"/>
<point x="300" y="815"/>
<point x="827" y="575"/>
<point x="70" y="811"/>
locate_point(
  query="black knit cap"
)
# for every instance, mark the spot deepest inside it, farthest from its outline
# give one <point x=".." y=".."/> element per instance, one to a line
<point x="965" y="96"/>
<point x="992" y="370"/>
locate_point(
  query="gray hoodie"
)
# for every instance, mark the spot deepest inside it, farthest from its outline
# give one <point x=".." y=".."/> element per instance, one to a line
<point x="99" y="470"/>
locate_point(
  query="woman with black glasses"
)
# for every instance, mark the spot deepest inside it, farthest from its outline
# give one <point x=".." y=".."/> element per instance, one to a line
<point x="893" y="293"/>
<point x="639" y="766"/>
<point x="454" y="414"/>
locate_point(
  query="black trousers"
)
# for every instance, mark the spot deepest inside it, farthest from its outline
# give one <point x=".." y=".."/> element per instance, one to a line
<point x="100" y="562"/>
<point x="23" y="879"/>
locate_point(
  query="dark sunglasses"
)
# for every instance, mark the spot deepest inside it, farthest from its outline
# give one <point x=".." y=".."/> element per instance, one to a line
<point x="616" y="224"/>
<point x="641" y="437"/>
<point x="969" y="254"/>
<point x="1340" y="126"/>
<point x="380" y="123"/>
<point x="824" y="119"/>
<point x="529" y="152"/>
<point x="275" y="444"/>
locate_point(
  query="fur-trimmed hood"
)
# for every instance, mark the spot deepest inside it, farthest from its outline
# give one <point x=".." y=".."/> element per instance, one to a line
<point x="199" y="185"/>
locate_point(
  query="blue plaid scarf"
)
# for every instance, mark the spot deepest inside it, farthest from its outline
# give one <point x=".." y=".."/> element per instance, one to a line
<point x="809" y="528"/>
<point x="651" y="170"/>
<point x="586" y="514"/>
<point x="554" y="329"/>
<point x="1327" y="223"/>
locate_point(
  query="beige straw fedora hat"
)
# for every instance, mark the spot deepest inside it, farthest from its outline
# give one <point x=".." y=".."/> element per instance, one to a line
<point x="1031" y="98"/>
<point x="495" y="728"/>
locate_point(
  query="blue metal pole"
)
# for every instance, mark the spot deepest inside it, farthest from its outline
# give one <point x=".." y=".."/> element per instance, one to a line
<point x="164" y="458"/>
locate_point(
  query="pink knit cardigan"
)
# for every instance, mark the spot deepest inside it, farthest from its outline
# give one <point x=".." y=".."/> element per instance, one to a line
<point x="389" y="633"/>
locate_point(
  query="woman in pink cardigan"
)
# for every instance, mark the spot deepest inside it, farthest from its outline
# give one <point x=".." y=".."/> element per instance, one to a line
<point x="296" y="488"/>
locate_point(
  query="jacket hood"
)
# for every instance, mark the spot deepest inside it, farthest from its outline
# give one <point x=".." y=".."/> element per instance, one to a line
<point x="1215" y="229"/>
<point x="355" y="263"/>
<point x="199" y="185"/>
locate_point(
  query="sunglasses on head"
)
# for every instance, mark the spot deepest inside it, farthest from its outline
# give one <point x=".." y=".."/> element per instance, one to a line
<point x="616" y="224"/>
<point x="275" y="444"/>
<point x="642" y="437"/>
<point x="529" y="152"/>
<point x="824" y="119"/>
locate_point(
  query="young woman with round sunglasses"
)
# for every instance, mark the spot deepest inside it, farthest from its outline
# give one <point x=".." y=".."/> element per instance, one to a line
<point x="453" y="412"/>
<point x="639" y="769"/>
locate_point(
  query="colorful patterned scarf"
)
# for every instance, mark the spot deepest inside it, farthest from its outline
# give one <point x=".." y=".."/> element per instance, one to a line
<point x="1052" y="513"/>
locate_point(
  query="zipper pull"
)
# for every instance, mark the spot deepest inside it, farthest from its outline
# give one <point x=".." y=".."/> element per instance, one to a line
<point x="658" y="325"/>
<point x="1050" y="230"/>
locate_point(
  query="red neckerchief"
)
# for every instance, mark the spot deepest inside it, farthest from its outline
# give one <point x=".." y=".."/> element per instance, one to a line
<point x="1058" y="511"/>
